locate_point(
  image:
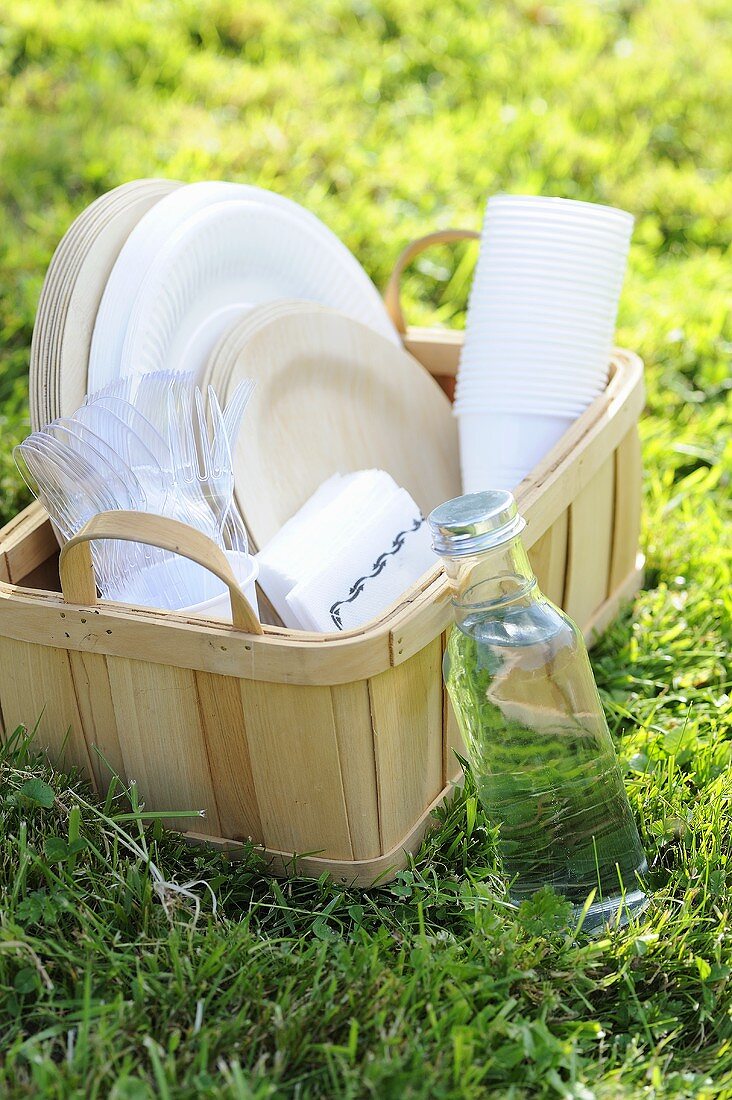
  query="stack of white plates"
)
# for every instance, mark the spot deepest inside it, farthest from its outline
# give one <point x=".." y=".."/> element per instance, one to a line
<point x="151" y="275"/>
<point x="540" y="330"/>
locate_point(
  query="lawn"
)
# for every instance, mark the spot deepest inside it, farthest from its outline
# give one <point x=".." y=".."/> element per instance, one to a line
<point x="132" y="968"/>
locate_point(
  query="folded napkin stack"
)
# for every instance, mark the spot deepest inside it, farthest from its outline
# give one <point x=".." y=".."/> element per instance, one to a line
<point x="353" y="548"/>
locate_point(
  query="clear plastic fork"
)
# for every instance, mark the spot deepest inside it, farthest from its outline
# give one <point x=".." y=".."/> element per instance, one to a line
<point x="132" y="439"/>
<point x="217" y="455"/>
<point x="235" y="408"/>
<point x="121" y="388"/>
<point x="187" y="477"/>
<point x="151" y="396"/>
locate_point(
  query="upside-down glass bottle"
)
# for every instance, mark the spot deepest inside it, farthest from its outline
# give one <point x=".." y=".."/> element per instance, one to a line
<point x="520" y="681"/>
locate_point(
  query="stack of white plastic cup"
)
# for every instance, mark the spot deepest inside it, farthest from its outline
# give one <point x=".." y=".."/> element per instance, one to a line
<point x="539" y="333"/>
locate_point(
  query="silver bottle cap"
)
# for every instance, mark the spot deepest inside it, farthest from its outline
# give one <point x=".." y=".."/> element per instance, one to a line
<point x="475" y="522"/>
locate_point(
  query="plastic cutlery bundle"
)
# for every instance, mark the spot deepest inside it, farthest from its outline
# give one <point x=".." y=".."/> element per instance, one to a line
<point x="150" y="445"/>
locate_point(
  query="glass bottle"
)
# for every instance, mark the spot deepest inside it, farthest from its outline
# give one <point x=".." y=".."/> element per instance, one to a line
<point x="520" y="681"/>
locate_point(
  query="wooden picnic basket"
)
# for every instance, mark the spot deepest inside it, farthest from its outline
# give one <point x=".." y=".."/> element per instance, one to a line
<point x="328" y="751"/>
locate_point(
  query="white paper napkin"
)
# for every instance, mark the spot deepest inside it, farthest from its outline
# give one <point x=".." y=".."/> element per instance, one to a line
<point x="299" y="547"/>
<point x="377" y="555"/>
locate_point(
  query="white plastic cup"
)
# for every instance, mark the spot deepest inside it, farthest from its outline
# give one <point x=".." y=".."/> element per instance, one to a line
<point x="522" y="387"/>
<point x="549" y="328"/>
<point x="534" y="378"/>
<point x="567" y="305"/>
<point x="491" y="366"/>
<point x="490" y="348"/>
<point x="588" y="286"/>
<point x="529" y="343"/>
<point x="489" y="358"/>
<point x="531" y="381"/>
<point x="541" y="318"/>
<point x="525" y="400"/>
<point x="493" y="442"/>
<point x="540" y="364"/>
<point x="506" y="228"/>
<point x="580" y="282"/>
<point x="517" y="317"/>
<point x="246" y="571"/>
<point x="574" y="209"/>
<point x="518" y="403"/>
<point x="546" y="254"/>
<point x="499" y="369"/>
<point x="562" y="250"/>
<point x="539" y="249"/>
<point x="162" y="584"/>
<point x="523" y="225"/>
<point x="502" y="477"/>
<point x="514" y="407"/>
<point x="596" y="293"/>
<point x="491" y="300"/>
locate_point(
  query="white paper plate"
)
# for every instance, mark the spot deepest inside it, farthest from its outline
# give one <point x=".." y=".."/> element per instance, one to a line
<point x="142" y="247"/>
<point x="219" y="264"/>
<point x="150" y="242"/>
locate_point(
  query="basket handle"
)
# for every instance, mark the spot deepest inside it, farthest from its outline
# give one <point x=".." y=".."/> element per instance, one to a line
<point x="78" y="584"/>
<point x="392" y="291"/>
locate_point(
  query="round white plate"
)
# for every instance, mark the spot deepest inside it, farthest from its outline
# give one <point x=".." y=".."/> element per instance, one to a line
<point x="154" y="232"/>
<point x="219" y="264"/>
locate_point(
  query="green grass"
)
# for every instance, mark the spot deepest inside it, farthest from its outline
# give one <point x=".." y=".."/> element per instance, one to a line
<point x="390" y="119"/>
